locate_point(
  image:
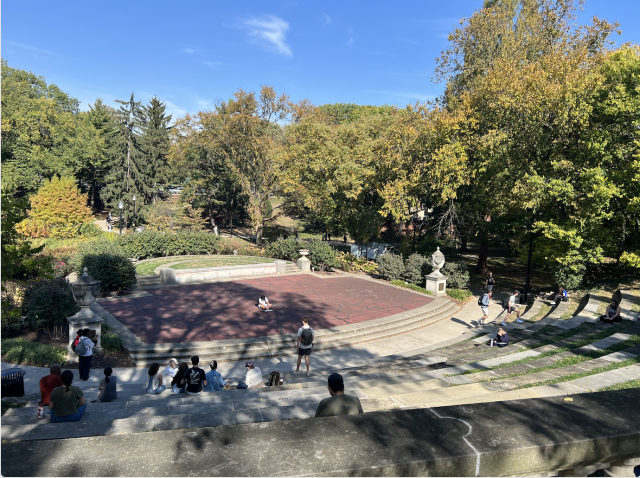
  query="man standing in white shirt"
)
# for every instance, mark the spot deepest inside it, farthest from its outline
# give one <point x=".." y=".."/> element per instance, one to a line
<point x="85" y="360"/>
<point x="305" y="343"/>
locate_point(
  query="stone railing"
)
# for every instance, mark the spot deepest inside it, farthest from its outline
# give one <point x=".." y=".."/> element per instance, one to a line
<point x="181" y="276"/>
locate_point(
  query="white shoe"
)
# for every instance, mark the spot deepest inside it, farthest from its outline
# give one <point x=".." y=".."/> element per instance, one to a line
<point x="520" y="321"/>
<point x="503" y="323"/>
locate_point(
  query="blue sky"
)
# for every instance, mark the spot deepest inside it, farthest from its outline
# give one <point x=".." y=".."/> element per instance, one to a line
<point x="191" y="54"/>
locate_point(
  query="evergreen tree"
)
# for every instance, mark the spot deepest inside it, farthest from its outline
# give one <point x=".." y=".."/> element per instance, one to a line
<point x="155" y="142"/>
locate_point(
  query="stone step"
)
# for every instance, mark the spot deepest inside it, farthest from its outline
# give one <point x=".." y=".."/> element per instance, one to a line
<point x="271" y="346"/>
<point x="626" y="306"/>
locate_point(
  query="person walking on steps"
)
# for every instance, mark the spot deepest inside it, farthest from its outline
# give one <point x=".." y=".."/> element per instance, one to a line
<point x="483" y="302"/>
<point x="511" y="307"/>
<point x="490" y="283"/>
<point x="305" y="343"/>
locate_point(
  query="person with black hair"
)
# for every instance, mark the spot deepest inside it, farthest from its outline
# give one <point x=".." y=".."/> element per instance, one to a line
<point x="194" y="378"/>
<point x="339" y="403"/>
<point x="612" y="314"/>
<point x="107" y="387"/>
<point x="253" y="378"/>
<point x="49" y="383"/>
<point x="263" y="303"/>
<point x="84" y="360"/>
<point x="215" y="382"/>
<point x="154" y="384"/>
<point x="67" y="403"/>
<point x="304" y="345"/>
<point x="176" y="381"/>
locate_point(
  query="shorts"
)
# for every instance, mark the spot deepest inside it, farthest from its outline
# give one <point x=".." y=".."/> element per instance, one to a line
<point x="490" y="287"/>
<point x="513" y="308"/>
<point x="485" y="310"/>
<point x="302" y="352"/>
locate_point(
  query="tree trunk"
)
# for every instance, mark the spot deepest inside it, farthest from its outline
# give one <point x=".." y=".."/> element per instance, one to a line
<point x="464" y="244"/>
<point x="259" y="225"/>
<point x="93" y="194"/>
<point x="482" y="268"/>
<point x="623" y="239"/>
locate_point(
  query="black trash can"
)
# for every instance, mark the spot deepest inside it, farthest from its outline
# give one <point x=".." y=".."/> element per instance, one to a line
<point x="13" y="383"/>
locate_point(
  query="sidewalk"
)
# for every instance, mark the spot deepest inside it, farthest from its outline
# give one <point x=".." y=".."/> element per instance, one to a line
<point x="418" y="341"/>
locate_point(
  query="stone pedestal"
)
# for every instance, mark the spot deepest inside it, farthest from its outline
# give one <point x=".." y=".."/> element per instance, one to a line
<point x="303" y="263"/>
<point x="93" y="323"/>
<point x="85" y="290"/>
<point x="437" y="284"/>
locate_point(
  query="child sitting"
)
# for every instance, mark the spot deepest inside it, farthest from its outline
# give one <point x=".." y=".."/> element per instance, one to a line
<point x="263" y="303"/>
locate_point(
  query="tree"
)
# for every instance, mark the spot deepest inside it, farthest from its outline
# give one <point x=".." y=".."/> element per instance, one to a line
<point x="58" y="210"/>
<point x="154" y="142"/>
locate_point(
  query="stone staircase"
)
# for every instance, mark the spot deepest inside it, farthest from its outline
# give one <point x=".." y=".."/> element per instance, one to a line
<point x="271" y="346"/>
<point x="146" y="281"/>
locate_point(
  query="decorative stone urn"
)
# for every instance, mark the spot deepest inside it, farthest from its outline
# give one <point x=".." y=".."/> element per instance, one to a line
<point x="436" y="282"/>
<point x="303" y="263"/>
<point x="85" y="291"/>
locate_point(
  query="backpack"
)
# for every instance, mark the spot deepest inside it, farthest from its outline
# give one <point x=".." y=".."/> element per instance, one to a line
<point x="306" y="338"/>
<point x="484" y="301"/>
<point x="274" y="378"/>
<point x="81" y="347"/>
<point x="194" y="377"/>
<point x="75" y="342"/>
<point x="505" y="304"/>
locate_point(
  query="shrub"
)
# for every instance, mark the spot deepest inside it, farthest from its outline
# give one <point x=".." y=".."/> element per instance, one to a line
<point x="630" y="259"/>
<point x="286" y="249"/>
<point x="49" y="303"/>
<point x="191" y="243"/>
<point x="391" y="266"/>
<point x="115" y="271"/>
<point x="415" y="269"/>
<point x="322" y="255"/>
<point x="21" y="351"/>
<point x="144" y="245"/>
<point x="568" y="276"/>
<point x="111" y="342"/>
<point x="348" y="262"/>
<point x="457" y="274"/>
<point x="460" y="294"/>
<point x="227" y="246"/>
<point x="412" y="287"/>
<point x="59" y="209"/>
<point x="89" y="229"/>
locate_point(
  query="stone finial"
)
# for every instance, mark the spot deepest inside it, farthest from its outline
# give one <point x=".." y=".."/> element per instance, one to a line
<point x="85" y="271"/>
<point x="437" y="261"/>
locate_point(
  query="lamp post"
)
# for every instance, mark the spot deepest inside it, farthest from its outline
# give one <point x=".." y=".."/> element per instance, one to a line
<point x="529" y="227"/>
<point x="120" y="206"/>
<point x="133" y="221"/>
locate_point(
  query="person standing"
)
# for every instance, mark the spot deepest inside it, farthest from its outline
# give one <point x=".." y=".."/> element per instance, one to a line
<point x="338" y="404"/>
<point x="490" y="283"/>
<point x="109" y="223"/>
<point x="215" y="230"/>
<point x="345" y="238"/>
<point x="511" y="307"/>
<point x="483" y="302"/>
<point x="86" y="357"/>
<point x="50" y="382"/>
<point x="305" y="343"/>
<point x="195" y="378"/>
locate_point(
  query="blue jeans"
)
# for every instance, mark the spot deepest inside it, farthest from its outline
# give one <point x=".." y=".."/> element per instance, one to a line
<point x="242" y="386"/>
<point x="76" y="417"/>
<point x="157" y="391"/>
<point x="177" y="390"/>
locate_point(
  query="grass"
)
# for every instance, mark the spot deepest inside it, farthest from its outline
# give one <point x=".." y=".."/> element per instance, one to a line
<point x="21" y="351"/>
<point x="51" y="243"/>
<point x="459" y="294"/>
<point x="544" y="310"/>
<point x="622" y="386"/>
<point x="147" y="268"/>
<point x="635" y="308"/>
<point x="401" y="283"/>
<point x="218" y="263"/>
<point x="7" y="405"/>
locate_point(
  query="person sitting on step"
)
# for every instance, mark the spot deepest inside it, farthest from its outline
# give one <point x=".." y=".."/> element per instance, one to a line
<point x="215" y="382"/>
<point x="176" y="382"/>
<point x="67" y="403"/>
<point x="339" y="403"/>
<point x="49" y="383"/>
<point x="263" y="303"/>
<point x="154" y="384"/>
<point x="501" y="340"/>
<point x="562" y="295"/>
<point x="107" y="387"/>
<point x="612" y="314"/>
<point x="195" y="379"/>
<point x="253" y="378"/>
<point x="169" y="371"/>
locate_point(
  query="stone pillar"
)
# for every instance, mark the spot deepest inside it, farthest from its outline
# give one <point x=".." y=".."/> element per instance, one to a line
<point x="436" y="282"/>
<point x="623" y="468"/>
<point x="85" y="290"/>
<point x="281" y="266"/>
<point x="303" y="263"/>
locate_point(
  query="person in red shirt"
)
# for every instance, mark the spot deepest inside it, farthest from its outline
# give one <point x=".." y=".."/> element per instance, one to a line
<point x="49" y="382"/>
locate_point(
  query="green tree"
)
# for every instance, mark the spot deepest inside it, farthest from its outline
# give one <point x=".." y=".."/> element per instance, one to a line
<point x="154" y="141"/>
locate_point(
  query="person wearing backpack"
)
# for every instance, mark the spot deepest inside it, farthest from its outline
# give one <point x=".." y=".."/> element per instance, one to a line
<point x="305" y="343"/>
<point x="195" y="378"/>
<point x="483" y="302"/>
<point x="84" y="349"/>
<point x="490" y="283"/>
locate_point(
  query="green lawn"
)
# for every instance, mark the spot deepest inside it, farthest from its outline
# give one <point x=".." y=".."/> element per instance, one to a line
<point x="147" y="268"/>
<point x="218" y="263"/>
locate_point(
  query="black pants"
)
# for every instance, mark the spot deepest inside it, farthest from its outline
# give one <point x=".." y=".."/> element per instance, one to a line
<point x="84" y="367"/>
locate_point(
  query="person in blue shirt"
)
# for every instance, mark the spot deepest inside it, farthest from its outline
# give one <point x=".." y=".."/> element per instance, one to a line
<point x="215" y="382"/>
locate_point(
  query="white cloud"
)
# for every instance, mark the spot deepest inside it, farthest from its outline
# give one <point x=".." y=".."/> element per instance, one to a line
<point x="269" y="31"/>
<point x="174" y="110"/>
<point x="326" y="19"/>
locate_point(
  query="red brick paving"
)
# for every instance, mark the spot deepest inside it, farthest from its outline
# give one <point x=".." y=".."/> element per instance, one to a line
<point x="227" y="310"/>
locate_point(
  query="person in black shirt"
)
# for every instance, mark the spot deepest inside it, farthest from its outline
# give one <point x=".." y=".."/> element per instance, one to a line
<point x="195" y="378"/>
<point x="490" y="283"/>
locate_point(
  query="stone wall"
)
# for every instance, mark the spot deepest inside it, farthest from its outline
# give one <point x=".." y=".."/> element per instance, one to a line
<point x="183" y="276"/>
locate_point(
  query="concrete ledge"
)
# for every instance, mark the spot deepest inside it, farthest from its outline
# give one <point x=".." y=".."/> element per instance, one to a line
<point x="529" y="438"/>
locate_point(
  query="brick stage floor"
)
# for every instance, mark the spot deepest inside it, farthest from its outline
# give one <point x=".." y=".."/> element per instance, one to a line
<point x="227" y="310"/>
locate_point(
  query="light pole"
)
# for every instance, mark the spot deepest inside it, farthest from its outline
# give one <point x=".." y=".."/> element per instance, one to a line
<point x="133" y="221"/>
<point x="120" y="206"/>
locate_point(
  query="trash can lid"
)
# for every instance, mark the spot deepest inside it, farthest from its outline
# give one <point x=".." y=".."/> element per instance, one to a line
<point x="11" y="371"/>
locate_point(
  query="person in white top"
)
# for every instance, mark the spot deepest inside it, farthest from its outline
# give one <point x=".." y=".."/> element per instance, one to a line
<point x="85" y="359"/>
<point x="263" y="303"/>
<point x="253" y="379"/>
<point x="170" y="371"/>
<point x="154" y="383"/>
<point x="305" y="343"/>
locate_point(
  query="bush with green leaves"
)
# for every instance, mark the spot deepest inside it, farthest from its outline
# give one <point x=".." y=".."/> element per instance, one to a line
<point x="89" y="229"/>
<point x="415" y="269"/>
<point x="457" y="274"/>
<point x="391" y="266"/>
<point x="111" y="342"/>
<point x="286" y="249"/>
<point x="322" y="255"/>
<point x="460" y="294"/>
<point x="157" y="244"/>
<point x="114" y="271"/>
<point x="568" y="276"/>
<point x="48" y="303"/>
<point x="22" y="351"/>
